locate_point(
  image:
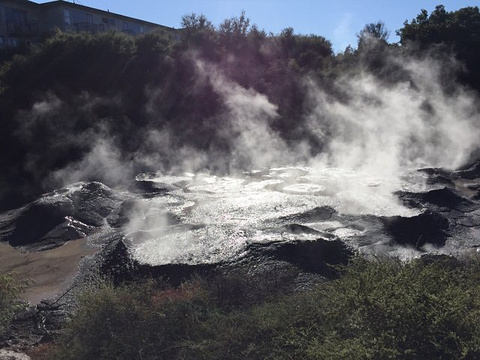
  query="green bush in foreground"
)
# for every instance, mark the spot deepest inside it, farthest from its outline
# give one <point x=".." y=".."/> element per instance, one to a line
<point x="10" y="288"/>
<point x="381" y="309"/>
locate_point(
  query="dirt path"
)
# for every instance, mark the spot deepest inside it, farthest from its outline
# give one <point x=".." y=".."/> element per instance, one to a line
<point x="51" y="271"/>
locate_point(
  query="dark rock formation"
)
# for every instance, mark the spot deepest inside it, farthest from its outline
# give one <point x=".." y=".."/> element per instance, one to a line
<point x="57" y="217"/>
<point x="93" y="202"/>
<point x="428" y="227"/>
<point x="316" y="256"/>
<point x="472" y="171"/>
<point x="36" y="220"/>
<point x="146" y="185"/>
<point x="120" y="215"/>
<point x="444" y="199"/>
<point x="119" y="266"/>
<point x="317" y="214"/>
<point x="35" y="325"/>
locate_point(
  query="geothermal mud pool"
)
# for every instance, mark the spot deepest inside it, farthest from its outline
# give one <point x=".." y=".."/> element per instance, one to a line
<point x="201" y="219"/>
<point x="204" y="218"/>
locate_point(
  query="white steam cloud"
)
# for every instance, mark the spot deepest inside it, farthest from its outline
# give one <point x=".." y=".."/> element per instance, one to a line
<point x="249" y="113"/>
<point x="372" y="136"/>
<point x="102" y="163"/>
<point x="387" y="129"/>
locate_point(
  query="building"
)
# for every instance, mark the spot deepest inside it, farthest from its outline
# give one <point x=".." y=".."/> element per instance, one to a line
<point x="23" y="22"/>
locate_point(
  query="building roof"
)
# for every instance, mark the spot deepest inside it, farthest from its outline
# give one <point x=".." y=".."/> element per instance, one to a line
<point x="106" y="13"/>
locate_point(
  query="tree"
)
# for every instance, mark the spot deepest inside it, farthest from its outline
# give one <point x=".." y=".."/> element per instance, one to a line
<point x="457" y="31"/>
<point x="372" y="46"/>
<point x="373" y="32"/>
<point x="198" y="32"/>
<point x="233" y="32"/>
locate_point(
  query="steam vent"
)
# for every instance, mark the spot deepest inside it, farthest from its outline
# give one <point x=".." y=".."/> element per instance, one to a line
<point x="226" y="192"/>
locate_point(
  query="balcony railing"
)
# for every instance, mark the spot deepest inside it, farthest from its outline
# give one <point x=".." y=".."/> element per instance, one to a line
<point x="89" y="27"/>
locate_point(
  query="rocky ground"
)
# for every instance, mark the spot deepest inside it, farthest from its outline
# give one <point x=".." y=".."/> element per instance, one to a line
<point x="70" y="237"/>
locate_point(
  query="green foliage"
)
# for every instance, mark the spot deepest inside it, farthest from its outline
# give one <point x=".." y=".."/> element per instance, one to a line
<point x="378" y="309"/>
<point x="133" y="322"/>
<point x="376" y="30"/>
<point x="10" y="288"/>
<point x="392" y="310"/>
<point x="458" y="31"/>
<point x="233" y="32"/>
<point x="155" y="44"/>
<point x="198" y="33"/>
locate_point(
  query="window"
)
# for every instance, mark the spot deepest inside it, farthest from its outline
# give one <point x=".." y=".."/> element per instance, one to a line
<point x="124" y="26"/>
<point x="89" y="18"/>
<point x="67" y="17"/>
<point x="1" y="42"/>
<point x="12" y="42"/>
<point x="16" y="16"/>
<point x="108" y="21"/>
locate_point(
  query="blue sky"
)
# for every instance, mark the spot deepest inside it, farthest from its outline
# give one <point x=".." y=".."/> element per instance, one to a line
<point x="337" y="20"/>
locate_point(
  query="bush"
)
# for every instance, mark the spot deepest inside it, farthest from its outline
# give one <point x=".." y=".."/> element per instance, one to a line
<point x="144" y="321"/>
<point x="392" y="310"/>
<point x="381" y="309"/>
<point x="10" y="305"/>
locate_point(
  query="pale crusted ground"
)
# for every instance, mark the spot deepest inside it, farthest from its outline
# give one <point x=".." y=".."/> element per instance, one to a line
<point x="50" y="271"/>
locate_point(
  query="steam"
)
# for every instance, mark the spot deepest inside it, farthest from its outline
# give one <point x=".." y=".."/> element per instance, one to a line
<point x="103" y="163"/>
<point x="387" y="129"/>
<point x="372" y="134"/>
<point x="162" y="152"/>
<point x="69" y="136"/>
<point x="377" y="128"/>
<point x="248" y="115"/>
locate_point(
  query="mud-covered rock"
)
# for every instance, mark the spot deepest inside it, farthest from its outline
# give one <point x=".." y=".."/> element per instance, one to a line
<point x="476" y="196"/>
<point x="312" y="256"/>
<point x="471" y="171"/>
<point x="427" y="227"/>
<point x="13" y="355"/>
<point x="147" y="185"/>
<point x="120" y="267"/>
<point x="37" y="219"/>
<point x="473" y="186"/>
<point x="444" y="199"/>
<point x="121" y="215"/>
<point x="321" y="213"/>
<point x="440" y="180"/>
<point x="93" y="202"/>
<point x="36" y="324"/>
<point x="57" y="217"/>
<point x="68" y="230"/>
<point x="435" y="172"/>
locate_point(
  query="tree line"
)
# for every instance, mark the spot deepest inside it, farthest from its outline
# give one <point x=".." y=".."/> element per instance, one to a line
<point x="72" y="87"/>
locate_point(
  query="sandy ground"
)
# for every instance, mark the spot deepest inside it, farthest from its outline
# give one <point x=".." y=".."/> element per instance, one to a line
<point x="462" y="185"/>
<point x="51" y="271"/>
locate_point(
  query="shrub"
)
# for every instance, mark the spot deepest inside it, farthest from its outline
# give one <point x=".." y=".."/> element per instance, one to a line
<point x="143" y="321"/>
<point x="377" y="309"/>
<point x="10" y="288"/>
<point x="393" y="310"/>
